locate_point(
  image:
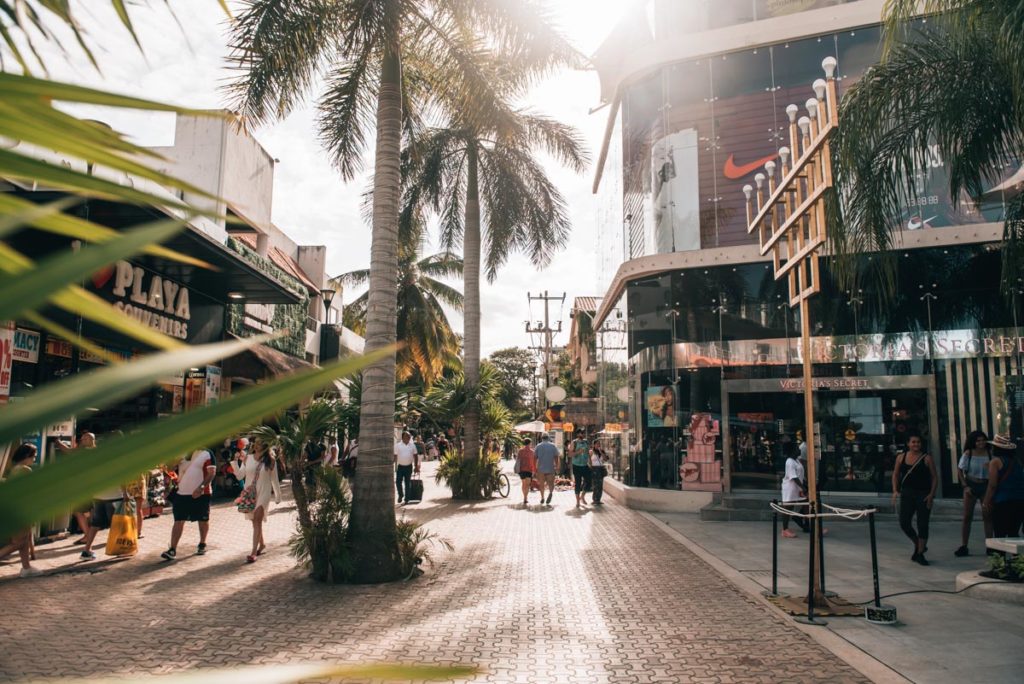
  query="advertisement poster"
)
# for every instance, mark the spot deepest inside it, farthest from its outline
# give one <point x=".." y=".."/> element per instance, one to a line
<point x="212" y="384"/>
<point x="6" y="359"/>
<point x="662" y="406"/>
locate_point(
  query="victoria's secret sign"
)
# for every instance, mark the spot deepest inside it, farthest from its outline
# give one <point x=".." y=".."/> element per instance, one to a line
<point x="945" y="344"/>
<point x="149" y="298"/>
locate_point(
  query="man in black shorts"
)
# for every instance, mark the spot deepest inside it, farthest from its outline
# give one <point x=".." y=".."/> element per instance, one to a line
<point x="192" y="500"/>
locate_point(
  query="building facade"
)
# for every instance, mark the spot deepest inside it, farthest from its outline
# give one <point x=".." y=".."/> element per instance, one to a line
<point x="698" y="351"/>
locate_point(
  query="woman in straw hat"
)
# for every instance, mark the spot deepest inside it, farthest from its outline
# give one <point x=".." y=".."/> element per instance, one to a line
<point x="1005" y="494"/>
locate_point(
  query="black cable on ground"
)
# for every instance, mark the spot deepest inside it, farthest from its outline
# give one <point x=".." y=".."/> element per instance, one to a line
<point x="928" y="591"/>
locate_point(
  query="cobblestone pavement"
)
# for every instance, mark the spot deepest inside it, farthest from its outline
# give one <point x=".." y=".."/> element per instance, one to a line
<point x="535" y="594"/>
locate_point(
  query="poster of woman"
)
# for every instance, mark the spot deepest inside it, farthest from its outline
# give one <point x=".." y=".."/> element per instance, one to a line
<point x="662" y="407"/>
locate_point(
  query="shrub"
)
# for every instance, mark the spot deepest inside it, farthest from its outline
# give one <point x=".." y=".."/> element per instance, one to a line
<point x="322" y="548"/>
<point x="469" y="480"/>
<point x="414" y="545"/>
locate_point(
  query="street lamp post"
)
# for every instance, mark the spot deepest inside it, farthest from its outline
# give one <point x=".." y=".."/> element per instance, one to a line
<point x="927" y="298"/>
<point x="788" y="215"/>
<point x="328" y="296"/>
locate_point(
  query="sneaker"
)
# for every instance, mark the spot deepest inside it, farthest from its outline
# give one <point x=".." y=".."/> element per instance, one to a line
<point x="201" y="549"/>
<point x="549" y="498"/>
<point x="789" y="534"/>
<point x="962" y="551"/>
<point x="169" y="554"/>
<point x="921" y="560"/>
<point x="30" y="572"/>
<point x="87" y="555"/>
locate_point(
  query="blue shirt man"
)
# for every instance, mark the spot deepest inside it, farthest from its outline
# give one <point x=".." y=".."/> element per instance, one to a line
<point x="547" y="464"/>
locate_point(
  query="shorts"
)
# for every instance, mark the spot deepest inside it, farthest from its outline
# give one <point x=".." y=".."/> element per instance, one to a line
<point x="102" y="513"/>
<point x="187" y="509"/>
<point x="525" y="475"/>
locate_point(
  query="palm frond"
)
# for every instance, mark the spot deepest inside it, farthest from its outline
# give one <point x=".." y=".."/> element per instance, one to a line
<point x="347" y="110"/>
<point x="562" y="141"/>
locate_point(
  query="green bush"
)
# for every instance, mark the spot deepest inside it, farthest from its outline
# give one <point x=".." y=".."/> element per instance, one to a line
<point x="414" y="545"/>
<point x="322" y="548"/>
<point x="469" y="480"/>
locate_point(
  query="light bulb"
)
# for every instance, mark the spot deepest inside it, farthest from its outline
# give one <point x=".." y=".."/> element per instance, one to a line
<point x="829" y="65"/>
<point x="748" y="190"/>
<point x="759" y="180"/>
<point x="784" y="155"/>
<point x="791" y="111"/>
<point x="770" y="168"/>
<point x="819" y="88"/>
<point x="805" y="125"/>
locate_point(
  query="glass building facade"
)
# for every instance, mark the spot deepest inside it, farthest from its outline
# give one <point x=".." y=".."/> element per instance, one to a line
<point x="699" y="366"/>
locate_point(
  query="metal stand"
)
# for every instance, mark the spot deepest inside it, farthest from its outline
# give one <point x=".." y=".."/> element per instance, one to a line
<point x="775" y="552"/>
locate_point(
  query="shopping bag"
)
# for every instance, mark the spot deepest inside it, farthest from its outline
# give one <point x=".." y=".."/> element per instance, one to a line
<point x="124" y="538"/>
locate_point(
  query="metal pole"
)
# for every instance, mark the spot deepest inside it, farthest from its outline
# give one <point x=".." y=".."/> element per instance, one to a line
<point x="874" y="558"/>
<point x="821" y="551"/>
<point x="775" y="549"/>
<point x="811" y="574"/>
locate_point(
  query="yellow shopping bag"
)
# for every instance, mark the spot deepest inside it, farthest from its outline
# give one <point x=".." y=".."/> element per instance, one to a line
<point x="124" y="538"/>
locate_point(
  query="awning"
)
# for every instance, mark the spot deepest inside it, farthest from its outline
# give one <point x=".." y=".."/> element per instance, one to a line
<point x="532" y="426"/>
<point x="260" y="362"/>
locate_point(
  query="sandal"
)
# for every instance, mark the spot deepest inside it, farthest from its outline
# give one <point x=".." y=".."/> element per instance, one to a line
<point x="260" y="551"/>
<point x="250" y="559"/>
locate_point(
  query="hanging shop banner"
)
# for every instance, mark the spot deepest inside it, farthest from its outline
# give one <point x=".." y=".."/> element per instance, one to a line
<point x="26" y="345"/>
<point x="58" y="347"/>
<point x="944" y="344"/>
<point x="6" y="359"/>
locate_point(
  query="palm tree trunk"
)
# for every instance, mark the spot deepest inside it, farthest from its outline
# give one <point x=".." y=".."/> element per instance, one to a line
<point x="295" y="467"/>
<point x="471" y="308"/>
<point x="372" y="521"/>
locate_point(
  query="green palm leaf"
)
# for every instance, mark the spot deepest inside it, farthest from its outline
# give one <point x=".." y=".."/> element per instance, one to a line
<point x="56" y="488"/>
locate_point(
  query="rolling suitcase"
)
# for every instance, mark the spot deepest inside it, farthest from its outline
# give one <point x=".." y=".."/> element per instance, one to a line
<point x="416" y="489"/>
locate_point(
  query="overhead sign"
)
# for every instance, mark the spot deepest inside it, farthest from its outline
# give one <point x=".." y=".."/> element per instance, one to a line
<point x="149" y="298"/>
<point x="6" y="359"/>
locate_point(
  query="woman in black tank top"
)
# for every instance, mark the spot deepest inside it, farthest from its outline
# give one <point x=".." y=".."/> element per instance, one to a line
<point x="914" y="481"/>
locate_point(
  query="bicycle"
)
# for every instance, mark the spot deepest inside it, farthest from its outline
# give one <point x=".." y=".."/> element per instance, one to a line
<point x="504" y="485"/>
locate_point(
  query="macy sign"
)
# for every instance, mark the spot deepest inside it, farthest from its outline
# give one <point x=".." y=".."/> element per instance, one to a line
<point x="153" y="301"/>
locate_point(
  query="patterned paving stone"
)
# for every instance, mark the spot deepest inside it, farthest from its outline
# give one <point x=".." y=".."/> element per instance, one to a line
<point x="530" y="594"/>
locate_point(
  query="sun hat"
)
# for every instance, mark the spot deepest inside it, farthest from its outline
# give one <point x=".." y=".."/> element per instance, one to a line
<point x="1002" y="442"/>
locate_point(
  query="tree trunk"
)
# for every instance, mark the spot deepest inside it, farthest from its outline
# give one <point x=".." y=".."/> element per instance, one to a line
<point x="299" y="491"/>
<point x="471" y="308"/>
<point x="372" y="521"/>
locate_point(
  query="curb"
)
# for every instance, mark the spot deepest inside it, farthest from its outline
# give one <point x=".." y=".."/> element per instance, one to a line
<point x="851" y="654"/>
<point x="987" y="590"/>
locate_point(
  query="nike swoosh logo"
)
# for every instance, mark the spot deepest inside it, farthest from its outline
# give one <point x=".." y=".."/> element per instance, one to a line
<point x="733" y="172"/>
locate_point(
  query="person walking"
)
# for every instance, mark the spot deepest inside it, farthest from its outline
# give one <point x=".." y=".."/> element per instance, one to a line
<point x="21" y="464"/>
<point x="102" y="508"/>
<point x="914" y="481"/>
<point x="137" y="490"/>
<point x="191" y="503"/>
<point x="331" y="455"/>
<point x="1004" y="497"/>
<point x="348" y="463"/>
<point x="580" y="468"/>
<point x="547" y="465"/>
<point x="526" y="466"/>
<point x="261" y="472"/>
<point x="598" y="471"/>
<point x="86" y="440"/>
<point x="972" y="471"/>
<point x="794" y="490"/>
<point x="407" y="461"/>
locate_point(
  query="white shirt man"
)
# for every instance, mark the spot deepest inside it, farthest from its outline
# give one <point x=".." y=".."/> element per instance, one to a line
<point x="407" y="460"/>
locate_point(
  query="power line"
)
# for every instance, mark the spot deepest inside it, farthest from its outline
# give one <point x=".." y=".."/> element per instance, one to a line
<point x="545" y="329"/>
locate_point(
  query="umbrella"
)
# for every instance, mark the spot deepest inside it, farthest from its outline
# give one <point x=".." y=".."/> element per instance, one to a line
<point x="532" y="426"/>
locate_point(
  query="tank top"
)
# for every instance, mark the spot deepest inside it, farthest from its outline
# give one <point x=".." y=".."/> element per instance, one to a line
<point x="919" y="479"/>
<point x="1011" y="481"/>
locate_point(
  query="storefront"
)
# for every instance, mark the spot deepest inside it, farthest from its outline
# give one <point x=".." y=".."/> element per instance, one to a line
<point x="713" y="386"/>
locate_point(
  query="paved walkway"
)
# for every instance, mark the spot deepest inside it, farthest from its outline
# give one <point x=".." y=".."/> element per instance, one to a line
<point x="529" y="594"/>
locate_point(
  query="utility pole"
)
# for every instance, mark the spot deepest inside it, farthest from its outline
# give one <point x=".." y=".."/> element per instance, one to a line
<point x="546" y="330"/>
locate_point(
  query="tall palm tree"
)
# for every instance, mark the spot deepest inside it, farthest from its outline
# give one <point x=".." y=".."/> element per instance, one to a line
<point x="397" y="56"/>
<point x="478" y="173"/>
<point x="429" y="343"/>
<point x="952" y="84"/>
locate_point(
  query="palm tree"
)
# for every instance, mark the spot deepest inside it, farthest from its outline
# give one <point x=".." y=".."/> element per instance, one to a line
<point x="429" y="343"/>
<point x="953" y="86"/>
<point x="477" y="173"/>
<point x="397" y="56"/>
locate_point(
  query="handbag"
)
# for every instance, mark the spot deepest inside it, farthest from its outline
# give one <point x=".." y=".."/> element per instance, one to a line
<point x="124" y="537"/>
<point x="246" y="501"/>
<point x="515" y="468"/>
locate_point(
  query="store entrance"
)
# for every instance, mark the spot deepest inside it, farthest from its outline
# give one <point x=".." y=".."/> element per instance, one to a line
<point x="861" y="423"/>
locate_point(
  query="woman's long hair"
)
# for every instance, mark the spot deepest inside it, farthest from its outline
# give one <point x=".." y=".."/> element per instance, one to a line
<point x="264" y="456"/>
<point x="972" y="440"/>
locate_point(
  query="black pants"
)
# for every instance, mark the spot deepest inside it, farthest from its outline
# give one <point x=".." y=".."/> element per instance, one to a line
<point x="403" y="475"/>
<point x="912" y="502"/>
<point x="581" y="478"/>
<point x="597" y="474"/>
<point x="800" y="522"/>
<point x="1007" y="517"/>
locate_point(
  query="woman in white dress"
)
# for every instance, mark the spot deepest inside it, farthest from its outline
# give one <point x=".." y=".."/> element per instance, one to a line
<point x="260" y="467"/>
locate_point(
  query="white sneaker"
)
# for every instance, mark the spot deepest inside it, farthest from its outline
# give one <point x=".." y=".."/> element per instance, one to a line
<point x="30" y="572"/>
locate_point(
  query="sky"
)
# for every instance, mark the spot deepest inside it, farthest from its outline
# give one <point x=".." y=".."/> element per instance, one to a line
<point x="186" y="66"/>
